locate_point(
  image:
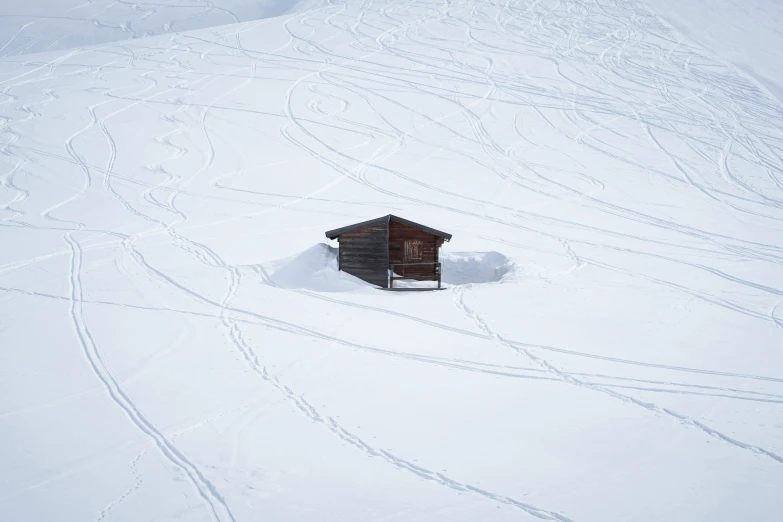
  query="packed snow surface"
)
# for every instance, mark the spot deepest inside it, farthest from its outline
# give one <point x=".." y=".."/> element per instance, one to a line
<point x="176" y="342"/>
<point x="34" y="26"/>
<point x="747" y="33"/>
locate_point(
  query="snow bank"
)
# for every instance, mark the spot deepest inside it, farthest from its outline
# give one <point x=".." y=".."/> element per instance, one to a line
<point x="312" y="269"/>
<point x="461" y="268"/>
<point x="316" y="269"/>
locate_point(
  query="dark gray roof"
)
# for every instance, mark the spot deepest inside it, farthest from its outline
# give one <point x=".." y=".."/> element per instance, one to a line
<point x="331" y="234"/>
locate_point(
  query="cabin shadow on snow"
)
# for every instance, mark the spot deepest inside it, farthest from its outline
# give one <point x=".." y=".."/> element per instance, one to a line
<point x="316" y="269"/>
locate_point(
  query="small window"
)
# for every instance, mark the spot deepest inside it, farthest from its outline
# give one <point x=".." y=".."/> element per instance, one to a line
<point x="413" y="251"/>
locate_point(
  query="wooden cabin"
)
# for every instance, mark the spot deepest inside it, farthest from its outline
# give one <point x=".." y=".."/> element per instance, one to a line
<point x="390" y="248"/>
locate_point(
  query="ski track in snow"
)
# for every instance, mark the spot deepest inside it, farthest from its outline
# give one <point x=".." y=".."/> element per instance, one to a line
<point x="205" y="488"/>
<point x="569" y="378"/>
<point x="382" y="77"/>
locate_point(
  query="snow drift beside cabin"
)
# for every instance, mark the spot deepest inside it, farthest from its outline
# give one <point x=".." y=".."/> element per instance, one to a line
<point x="312" y="269"/>
<point x="316" y="269"/>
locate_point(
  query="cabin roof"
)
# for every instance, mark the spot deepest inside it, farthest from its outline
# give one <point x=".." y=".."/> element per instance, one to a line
<point x="331" y="234"/>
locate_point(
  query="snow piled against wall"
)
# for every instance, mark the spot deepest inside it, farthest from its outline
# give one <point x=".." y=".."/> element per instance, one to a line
<point x="316" y="269"/>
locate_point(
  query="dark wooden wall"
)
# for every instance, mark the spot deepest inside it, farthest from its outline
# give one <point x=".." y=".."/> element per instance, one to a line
<point x="430" y="245"/>
<point x="363" y="254"/>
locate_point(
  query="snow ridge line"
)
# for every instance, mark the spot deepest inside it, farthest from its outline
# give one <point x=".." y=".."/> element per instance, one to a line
<point x="570" y="379"/>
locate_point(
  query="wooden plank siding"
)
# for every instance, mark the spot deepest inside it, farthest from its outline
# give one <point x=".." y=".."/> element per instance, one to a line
<point x="363" y="253"/>
<point x="367" y="249"/>
<point x="428" y="249"/>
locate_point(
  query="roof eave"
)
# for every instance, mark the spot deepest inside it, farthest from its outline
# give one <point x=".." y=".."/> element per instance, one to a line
<point x="337" y="232"/>
<point x="331" y="234"/>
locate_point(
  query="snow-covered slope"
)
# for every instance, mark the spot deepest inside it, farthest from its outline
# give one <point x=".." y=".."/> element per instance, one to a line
<point x="747" y="33"/>
<point x="176" y="343"/>
<point x="34" y="26"/>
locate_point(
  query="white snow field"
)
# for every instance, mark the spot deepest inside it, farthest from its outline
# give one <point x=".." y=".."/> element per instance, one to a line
<point x="177" y="344"/>
<point x="34" y="26"/>
<point x="745" y="32"/>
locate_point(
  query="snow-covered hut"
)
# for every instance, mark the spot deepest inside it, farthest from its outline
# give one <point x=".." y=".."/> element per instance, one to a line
<point x="389" y="248"/>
